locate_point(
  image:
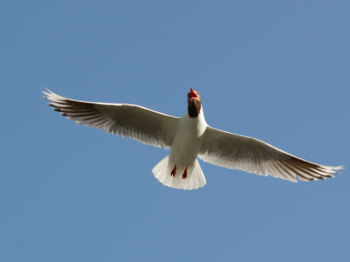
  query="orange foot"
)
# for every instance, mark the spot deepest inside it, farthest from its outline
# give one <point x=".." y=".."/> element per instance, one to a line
<point x="173" y="172"/>
<point x="184" y="175"/>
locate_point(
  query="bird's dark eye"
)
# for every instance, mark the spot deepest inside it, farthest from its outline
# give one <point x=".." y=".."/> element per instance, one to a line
<point x="197" y="92"/>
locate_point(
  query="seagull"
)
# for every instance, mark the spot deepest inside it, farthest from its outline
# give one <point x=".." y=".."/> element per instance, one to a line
<point x="189" y="137"/>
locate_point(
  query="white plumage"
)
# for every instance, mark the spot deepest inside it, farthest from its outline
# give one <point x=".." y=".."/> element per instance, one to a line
<point x="189" y="137"/>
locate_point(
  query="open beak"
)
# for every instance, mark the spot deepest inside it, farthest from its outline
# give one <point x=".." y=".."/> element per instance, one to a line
<point x="193" y="95"/>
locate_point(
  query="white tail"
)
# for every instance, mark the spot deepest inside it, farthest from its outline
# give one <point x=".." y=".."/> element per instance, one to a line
<point x="195" y="177"/>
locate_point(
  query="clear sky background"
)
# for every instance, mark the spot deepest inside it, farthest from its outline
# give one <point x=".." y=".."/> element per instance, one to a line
<point x="275" y="70"/>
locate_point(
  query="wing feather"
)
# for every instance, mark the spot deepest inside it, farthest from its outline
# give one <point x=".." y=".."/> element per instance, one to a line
<point x="136" y="122"/>
<point x="255" y="156"/>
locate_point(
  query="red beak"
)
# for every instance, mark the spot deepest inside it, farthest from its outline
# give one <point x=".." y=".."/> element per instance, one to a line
<point x="193" y="95"/>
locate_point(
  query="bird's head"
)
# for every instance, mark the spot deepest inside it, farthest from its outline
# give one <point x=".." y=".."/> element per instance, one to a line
<point x="194" y="103"/>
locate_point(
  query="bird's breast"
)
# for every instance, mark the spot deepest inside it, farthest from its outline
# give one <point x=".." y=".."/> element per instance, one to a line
<point x="188" y="140"/>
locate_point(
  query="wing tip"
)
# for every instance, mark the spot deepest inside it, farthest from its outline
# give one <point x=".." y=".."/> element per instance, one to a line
<point x="338" y="167"/>
<point x="53" y="97"/>
<point x="47" y="92"/>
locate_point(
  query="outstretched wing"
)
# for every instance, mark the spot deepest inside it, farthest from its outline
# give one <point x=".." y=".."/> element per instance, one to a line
<point x="254" y="156"/>
<point x="136" y="122"/>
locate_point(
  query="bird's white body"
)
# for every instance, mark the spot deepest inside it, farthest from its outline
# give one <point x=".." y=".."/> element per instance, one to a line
<point x="185" y="148"/>
<point x="189" y="137"/>
<point x="188" y="140"/>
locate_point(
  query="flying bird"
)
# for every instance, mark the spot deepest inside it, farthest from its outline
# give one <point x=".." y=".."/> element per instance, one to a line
<point x="189" y="137"/>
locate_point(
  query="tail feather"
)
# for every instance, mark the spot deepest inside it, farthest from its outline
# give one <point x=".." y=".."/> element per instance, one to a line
<point x="195" y="177"/>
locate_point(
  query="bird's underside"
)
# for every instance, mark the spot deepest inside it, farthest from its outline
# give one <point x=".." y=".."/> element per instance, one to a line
<point x="217" y="147"/>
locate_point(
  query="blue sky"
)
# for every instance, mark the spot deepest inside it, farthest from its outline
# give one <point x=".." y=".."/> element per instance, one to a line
<point x="274" y="70"/>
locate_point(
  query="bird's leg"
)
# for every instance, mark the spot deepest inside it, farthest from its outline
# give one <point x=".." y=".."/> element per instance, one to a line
<point x="173" y="172"/>
<point x="184" y="175"/>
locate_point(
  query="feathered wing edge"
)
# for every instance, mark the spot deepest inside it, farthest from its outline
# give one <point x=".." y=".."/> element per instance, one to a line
<point x="255" y="156"/>
<point x="136" y="122"/>
<point x="81" y="112"/>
